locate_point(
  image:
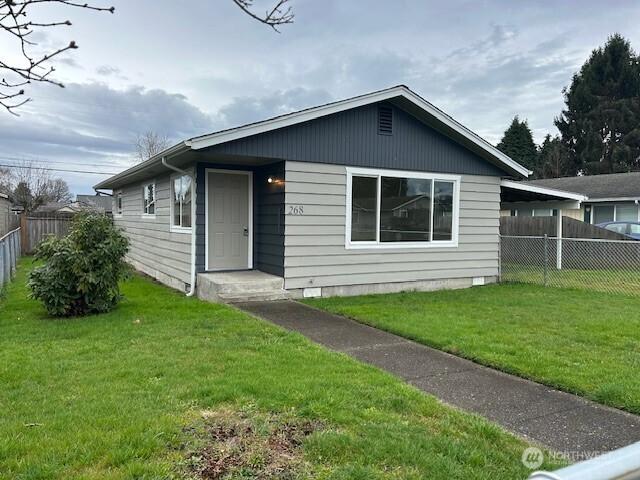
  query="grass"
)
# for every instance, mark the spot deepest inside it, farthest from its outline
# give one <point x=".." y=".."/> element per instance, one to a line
<point x="616" y="281"/>
<point x="114" y="396"/>
<point x="579" y="341"/>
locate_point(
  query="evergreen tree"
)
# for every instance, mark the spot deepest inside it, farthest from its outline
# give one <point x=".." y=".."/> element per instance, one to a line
<point x="553" y="159"/>
<point x="600" y="126"/>
<point x="517" y="142"/>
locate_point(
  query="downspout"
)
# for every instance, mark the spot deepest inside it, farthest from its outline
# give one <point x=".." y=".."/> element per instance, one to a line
<point x="192" y="290"/>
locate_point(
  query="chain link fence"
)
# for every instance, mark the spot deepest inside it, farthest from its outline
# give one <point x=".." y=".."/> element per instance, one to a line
<point x="601" y="265"/>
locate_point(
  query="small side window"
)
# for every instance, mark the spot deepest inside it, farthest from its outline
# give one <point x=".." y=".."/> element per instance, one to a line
<point x="181" y="194"/>
<point x="149" y="199"/>
<point x="118" y="202"/>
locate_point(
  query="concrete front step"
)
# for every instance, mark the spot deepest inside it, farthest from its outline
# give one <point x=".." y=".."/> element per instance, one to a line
<point x="240" y="286"/>
<point x="254" y="296"/>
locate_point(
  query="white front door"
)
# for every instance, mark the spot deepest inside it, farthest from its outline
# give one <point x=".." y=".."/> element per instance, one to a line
<point x="228" y="220"/>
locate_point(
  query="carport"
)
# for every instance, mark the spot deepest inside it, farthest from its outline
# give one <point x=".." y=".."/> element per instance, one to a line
<point x="514" y="195"/>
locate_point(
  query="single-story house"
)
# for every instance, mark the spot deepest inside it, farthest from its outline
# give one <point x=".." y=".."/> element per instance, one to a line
<point x="100" y="203"/>
<point x="58" y="207"/>
<point x="377" y="193"/>
<point x="610" y="197"/>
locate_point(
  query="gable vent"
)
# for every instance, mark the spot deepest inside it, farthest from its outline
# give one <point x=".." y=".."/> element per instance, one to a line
<point x="385" y="120"/>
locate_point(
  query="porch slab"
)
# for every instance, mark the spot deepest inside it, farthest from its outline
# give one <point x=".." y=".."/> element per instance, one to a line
<point x="240" y="286"/>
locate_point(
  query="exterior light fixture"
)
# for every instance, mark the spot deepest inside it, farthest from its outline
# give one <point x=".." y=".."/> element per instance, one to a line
<point x="274" y="181"/>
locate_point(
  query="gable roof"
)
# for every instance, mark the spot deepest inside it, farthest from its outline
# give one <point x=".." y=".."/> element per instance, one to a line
<point x="100" y="202"/>
<point x="401" y="95"/>
<point x="614" y="186"/>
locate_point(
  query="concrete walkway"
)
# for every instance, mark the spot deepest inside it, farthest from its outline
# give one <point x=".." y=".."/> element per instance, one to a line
<point x="561" y="421"/>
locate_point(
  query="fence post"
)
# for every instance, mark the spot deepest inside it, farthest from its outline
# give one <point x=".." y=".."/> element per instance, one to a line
<point x="23" y="233"/>
<point x="7" y="261"/>
<point x="2" y="262"/>
<point x="499" y="258"/>
<point x="546" y="258"/>
<point x="559" y="235"/>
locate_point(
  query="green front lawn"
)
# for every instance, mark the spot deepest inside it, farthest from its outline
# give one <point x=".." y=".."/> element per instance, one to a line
<point x="120" y="395"/>
<point x="616" y="281"/>
<point x="575" y="340"/>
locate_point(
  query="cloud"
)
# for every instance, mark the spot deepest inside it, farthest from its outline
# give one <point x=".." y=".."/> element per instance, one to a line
<point x="249" y="109"/>
<point x="107" y="70"/>
<point x="95" y="125"/>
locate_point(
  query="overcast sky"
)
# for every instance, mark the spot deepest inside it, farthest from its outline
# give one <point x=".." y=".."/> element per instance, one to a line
<point x="188" y="68"/>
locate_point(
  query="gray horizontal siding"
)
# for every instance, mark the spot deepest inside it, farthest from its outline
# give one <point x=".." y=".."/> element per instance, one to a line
<point x="315" y="254"/>
<point x="154" y="249"/>
<point x="351" y="138"/>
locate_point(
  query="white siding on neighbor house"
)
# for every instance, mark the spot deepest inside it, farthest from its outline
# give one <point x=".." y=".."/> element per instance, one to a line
<point x="154" y="248"/>
<point x="5" y="212"/>
<point x="315" y="253"/>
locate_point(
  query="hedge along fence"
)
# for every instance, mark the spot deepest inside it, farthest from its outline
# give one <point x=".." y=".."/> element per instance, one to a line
<point x="9" y="253"/>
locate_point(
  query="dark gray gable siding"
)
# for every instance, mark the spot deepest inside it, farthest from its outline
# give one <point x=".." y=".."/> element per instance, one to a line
<point x="352" y="138"/>
<point x="268" y="217"/>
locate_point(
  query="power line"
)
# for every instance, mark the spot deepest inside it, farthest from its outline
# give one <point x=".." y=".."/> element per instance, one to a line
<point x="60" y="170"/>
<point x="64" y="162"/>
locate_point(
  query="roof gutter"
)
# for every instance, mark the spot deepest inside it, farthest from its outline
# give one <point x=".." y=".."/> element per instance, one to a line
<point x="192" y="288"/>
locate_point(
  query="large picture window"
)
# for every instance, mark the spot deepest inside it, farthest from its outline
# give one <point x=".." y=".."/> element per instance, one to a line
<point x="396" y="209"/>
<point x="181" y="196"/>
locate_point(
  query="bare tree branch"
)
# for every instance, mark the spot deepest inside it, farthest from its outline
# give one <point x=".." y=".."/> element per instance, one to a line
<point x="280" y="14"/>
<point x="149" y="144"/>
<point x="29" y="67"/>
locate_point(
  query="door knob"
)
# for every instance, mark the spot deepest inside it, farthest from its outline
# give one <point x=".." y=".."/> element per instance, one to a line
<point x="245" y="232"/>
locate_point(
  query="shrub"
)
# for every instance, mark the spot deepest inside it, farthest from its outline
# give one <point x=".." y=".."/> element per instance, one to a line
<point x="81" y="271"/>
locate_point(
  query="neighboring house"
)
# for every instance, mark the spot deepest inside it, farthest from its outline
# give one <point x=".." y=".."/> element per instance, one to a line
<point x="5" y="214"/>
<point x="611" y="197"/>
<point x="59" y="207"/>
<point x="381" y="192"/>
<point x="99" y="203"/>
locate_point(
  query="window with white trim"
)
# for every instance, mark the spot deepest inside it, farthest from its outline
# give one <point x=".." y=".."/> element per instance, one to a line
<point x="149" y="199"/>
<point x="118" y="202"/>
<point x="181" y="198"/>
<point x="401" y="209"/>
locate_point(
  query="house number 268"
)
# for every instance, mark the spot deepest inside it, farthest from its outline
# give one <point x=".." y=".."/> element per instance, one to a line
<point x="296" y="210"/>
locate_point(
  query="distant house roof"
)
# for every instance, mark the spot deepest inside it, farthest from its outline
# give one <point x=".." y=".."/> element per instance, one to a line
<point x="615" y="186"/>
<point x="62" y="207"/>
<point x="102" y="203"/>
<point x="402" y="95"/>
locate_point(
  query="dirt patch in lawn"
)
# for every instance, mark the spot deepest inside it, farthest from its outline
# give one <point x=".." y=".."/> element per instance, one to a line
<point x="229" y="444"/>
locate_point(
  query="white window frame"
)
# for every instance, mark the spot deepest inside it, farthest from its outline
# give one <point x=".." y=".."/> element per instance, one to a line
<point x="155" y="199"/>
<point x="593" y="206"/>
<point x="119" y="210"/>
<point x="172" y="227"/>
<point x="379" y="173"/>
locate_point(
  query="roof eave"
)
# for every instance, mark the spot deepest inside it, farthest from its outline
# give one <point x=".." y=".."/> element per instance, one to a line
<point x="543" y="190"/>
<point x="503" y="160"/>
<point x="110" y="182"/>
<point x="494" y="155"/>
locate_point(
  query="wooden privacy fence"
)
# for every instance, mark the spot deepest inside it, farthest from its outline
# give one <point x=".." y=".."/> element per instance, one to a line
<point x="34" y="229"/>
<point x="9" y="254"/>
<point x="540" y="226"/>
